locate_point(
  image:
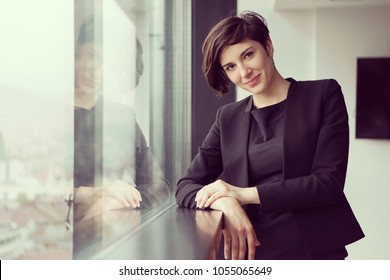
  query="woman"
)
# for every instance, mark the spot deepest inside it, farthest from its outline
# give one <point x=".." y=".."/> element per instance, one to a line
<point x="275" y="162"/>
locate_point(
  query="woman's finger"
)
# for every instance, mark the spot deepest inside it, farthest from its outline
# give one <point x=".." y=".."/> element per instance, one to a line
<point x="126" y="194"/>
<point x="235" y="247"/>
<point x="242" y="247"/>
<point x="135" y="196"/>
<point x="212" y="198"/>
<point x="227" y="244"/>
<point x="111" y="192"/>
<point x="252" y="241"/>
<point x="203" y="198"/>
<point x="204" y="193"/>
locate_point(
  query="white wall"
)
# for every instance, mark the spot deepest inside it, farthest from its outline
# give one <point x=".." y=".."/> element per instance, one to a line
<point x="324" y="43"/>
<point x="343" y="35"/>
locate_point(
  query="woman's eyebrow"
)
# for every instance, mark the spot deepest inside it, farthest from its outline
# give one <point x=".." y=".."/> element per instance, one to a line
<point x="244" y="52"/>
<point x="241" y="55"/>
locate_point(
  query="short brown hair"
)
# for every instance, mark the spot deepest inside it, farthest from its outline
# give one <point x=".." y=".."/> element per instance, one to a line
<point x="230" y="31"/>
<point x="91" y="32"/>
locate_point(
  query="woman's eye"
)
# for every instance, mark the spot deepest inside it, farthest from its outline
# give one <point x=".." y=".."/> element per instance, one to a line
<point x="249" y="55"/>
<point x="229" y="67"/>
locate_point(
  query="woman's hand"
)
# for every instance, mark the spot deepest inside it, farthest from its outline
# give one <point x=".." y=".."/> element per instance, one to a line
<point x="238" y="232"/>
<point x="97" y="200"/>
<point x="101" y="205"/>
<point x="126" y="195"/>
<point x="211" y="192"/>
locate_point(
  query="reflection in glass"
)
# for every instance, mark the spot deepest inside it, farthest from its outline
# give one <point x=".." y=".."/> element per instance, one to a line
<point x="112" y="158"/>
<point x="115" y="172"/>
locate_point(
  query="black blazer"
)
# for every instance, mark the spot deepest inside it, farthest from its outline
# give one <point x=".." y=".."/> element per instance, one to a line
<point x="316" y="142"/>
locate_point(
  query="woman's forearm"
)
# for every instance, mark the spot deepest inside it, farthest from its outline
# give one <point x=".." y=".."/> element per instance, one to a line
<point x="248" y="196"/>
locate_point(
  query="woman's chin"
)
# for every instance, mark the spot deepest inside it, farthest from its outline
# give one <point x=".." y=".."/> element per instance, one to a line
<point x="85" y="91"/>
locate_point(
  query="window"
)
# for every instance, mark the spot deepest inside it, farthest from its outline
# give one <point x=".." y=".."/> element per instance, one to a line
<point x="94" y="99"/>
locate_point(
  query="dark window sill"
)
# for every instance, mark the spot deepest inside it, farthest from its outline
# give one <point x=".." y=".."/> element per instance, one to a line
<point x="174" y="234"/>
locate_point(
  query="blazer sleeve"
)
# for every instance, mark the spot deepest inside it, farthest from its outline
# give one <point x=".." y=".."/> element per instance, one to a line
<point x="323" y="182"/>
<point x="204" y="169"/>
<point x="150" y="180"/>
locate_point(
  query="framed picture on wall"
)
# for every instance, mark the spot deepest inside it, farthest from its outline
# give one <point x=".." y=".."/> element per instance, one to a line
<point x="373" y="98"/>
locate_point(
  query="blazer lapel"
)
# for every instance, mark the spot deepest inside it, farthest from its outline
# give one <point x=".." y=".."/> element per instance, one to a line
<point x="237" y="150"/>
<point x="301" y="127"/>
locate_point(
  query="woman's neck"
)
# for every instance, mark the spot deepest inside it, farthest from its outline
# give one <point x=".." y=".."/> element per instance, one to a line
<point x="276" y="92"/>
<point x="85" y="101"/>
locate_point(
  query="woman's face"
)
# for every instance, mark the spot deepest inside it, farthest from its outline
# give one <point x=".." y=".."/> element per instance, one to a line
<point x="249" y="66"/>
<point x="119" y="69"/>
<point x="89" y="72"/>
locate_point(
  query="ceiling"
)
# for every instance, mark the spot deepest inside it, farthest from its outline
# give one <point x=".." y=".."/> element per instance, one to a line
<point x="313" y="4"/>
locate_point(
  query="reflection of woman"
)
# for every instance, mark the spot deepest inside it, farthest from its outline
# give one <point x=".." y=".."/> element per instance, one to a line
<point x="113" y="164"/>
<point x="281" y="153"/>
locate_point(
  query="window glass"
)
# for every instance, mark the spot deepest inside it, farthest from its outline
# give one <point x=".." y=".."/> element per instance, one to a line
<point x="95" y="121"/>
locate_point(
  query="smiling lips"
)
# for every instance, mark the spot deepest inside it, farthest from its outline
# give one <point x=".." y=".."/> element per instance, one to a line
<point x="254" y="81"/>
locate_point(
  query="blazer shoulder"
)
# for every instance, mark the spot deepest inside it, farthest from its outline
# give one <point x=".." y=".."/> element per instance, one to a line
<point x="317" y="84"/>
<point x="315" y="88"/>
<point x="237" y="106"/>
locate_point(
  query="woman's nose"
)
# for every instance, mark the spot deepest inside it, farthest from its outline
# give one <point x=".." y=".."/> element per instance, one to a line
<point x="245" y="71"/>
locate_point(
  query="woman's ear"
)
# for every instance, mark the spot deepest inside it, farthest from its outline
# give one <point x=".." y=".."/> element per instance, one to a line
<point x="270" y="48"/>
